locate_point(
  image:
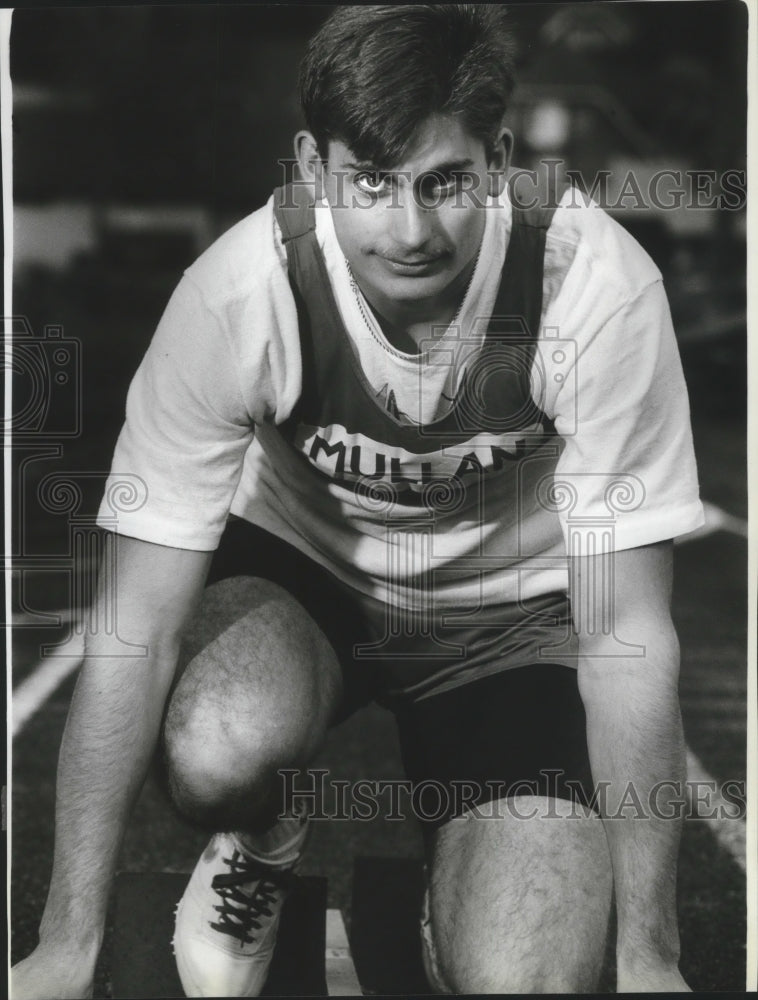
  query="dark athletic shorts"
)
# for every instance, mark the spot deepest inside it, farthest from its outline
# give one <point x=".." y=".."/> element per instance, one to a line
<point x="480" y="734"/>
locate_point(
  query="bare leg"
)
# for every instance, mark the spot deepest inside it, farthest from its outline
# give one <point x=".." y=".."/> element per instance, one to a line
<point x="521" y="905"/>
<point x="259" y="688"/>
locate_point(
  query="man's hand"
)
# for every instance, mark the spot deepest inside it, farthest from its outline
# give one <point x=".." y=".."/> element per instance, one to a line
<point x="49" y="974"/>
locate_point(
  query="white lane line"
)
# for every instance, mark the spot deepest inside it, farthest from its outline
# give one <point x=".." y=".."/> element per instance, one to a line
<point x="716" y="519"/>
<point x="712" y="808"/>
<point x="341" y="977"/>
<point x="44" y="680"/>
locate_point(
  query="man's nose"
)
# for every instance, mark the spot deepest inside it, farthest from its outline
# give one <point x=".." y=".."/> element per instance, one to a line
<point x="412" y="224"/>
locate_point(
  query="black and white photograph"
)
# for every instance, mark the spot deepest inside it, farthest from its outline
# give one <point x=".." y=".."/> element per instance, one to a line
<point x="378" y="607"/>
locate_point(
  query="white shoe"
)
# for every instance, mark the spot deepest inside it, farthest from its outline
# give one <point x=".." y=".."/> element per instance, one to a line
<point x="226" y="921"/>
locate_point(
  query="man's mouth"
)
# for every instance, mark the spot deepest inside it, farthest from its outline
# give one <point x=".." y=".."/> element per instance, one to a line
<point x="413" y="265"/>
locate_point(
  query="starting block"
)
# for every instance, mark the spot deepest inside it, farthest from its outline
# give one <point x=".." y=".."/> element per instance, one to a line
<point x="386" y="939"/>
<point x="312" y="955"/>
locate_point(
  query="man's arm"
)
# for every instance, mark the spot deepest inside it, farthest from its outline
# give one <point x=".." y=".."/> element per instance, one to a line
<point x="110" y="736"/>
<point x="634" y="733"/>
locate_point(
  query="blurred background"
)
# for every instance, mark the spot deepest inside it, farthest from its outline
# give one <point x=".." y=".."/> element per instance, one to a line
<point x="141" y="133"/>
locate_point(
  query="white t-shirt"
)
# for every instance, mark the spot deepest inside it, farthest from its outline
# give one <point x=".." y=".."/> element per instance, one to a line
<point x="226" y="359"/>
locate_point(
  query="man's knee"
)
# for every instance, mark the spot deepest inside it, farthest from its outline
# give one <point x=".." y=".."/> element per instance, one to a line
<point x="477" y="964"/>
<point x="217" y="784"/>
<point x="222" y="767"/>
<point x="476" y="975"/>
<point x="478" y="961"/>
<point x="256" y="695"/>
<point x="521" y="906"/>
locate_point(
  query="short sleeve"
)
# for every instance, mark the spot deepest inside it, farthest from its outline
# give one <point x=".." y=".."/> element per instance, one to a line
<point x="186" y="431"/>
<point x="627" y="469"/>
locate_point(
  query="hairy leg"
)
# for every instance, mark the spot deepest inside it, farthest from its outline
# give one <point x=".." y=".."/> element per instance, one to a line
<point x="258" y="687"/>
<point x="520" y="905"/>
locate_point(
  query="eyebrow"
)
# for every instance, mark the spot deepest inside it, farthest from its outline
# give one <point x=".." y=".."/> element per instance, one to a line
<point x="448" y="167"/>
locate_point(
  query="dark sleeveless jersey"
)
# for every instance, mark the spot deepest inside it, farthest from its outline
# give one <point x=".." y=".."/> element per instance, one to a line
<point x="340" y="429"/>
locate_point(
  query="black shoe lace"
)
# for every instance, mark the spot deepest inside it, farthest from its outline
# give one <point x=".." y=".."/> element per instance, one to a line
<point x="241" y="912"/>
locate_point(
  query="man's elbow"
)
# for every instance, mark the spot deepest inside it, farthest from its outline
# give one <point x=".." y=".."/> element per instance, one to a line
<point x="632" y="655"/>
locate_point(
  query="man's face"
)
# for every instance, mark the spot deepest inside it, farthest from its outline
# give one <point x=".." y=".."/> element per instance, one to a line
<point x="411" y="234"/>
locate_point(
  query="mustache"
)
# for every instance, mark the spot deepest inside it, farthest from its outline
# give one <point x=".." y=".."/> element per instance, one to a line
<point x="421" y="255"/>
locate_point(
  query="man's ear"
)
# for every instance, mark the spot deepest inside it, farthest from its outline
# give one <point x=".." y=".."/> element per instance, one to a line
<point x="499" y="162"/>
<point x="310" y="162"/>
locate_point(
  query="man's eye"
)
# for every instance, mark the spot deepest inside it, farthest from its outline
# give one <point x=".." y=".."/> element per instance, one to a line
<point x="434" y="186"/>
<point x="372" y="182"/>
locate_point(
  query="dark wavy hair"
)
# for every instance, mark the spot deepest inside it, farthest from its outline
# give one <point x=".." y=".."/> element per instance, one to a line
<point x="372" y="74"/>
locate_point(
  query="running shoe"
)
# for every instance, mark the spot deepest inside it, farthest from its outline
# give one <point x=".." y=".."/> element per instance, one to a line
<point x="227" y="919"/>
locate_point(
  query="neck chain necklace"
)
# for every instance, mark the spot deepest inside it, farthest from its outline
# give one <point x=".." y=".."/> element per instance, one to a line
<point x="372" y="324"/>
